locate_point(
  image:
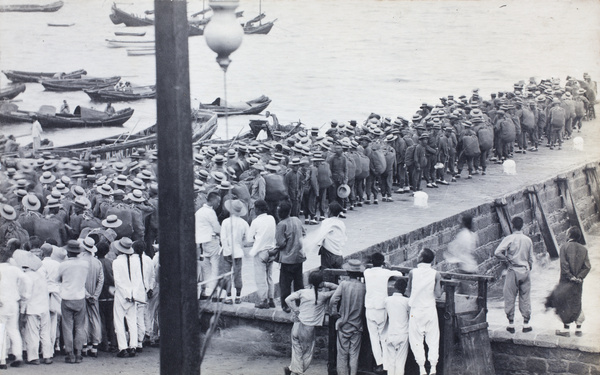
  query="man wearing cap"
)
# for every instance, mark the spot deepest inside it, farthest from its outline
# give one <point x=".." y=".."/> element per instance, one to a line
<point x="93" y="288"/>
<point x="234" y="231"/>
<point x="207" y="243"/>
<point x="72" y="275"/>
<point x="129" y="289"/>
<point x="348" y="318"/>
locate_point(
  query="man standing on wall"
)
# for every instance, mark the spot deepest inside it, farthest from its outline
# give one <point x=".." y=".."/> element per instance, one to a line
<point x="517" y="250"/>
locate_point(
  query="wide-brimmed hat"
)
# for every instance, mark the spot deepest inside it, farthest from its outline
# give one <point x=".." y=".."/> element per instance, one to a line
<point x="353" y="265"/>
<point x="225" y="185"/>
<point x="26" y="259"/>
<point x="54" y="194"/>
<point x="77" y="191"/>
<point x="272" y="165"/>
<point x="83" y="203"/>
<point x="218" y="158"/>
<point x="8" y="212"/>
<point x="343" y="191"/>
<point x="218" y="176"/>
<point x="47" y="178"/>
<point x="89" y="244"/>
<point x="21" y="193"/>
<point x="121" y="180"/>
<point x="137" y="183"/>
<point x="236" y="207"/>
<point x="145" y="175"/>
<point x="203" y="174"/>
<point x="73" y="246"/>
<point x="258" y="166"/>
<point x="112" y="221"/>
<point x="31" y="202"/>
<point x="98" y="167"/>
<point x="119" y="167"/>
<point x="66" y="180"/>
<point x="136" y="196"/>
<point x="53" y="203"/>
<point x="104" y="189"/>
<point x="61" y="188"/>
<point x="49" y="164"/>
<point x="124" y="245"/>
<point x="294" y="161"/>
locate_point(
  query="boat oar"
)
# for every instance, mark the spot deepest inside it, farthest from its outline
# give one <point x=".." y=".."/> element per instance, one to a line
<point x="293" y="130"/>
<point x="237" y="135"/>
<point x="131" y="131"/>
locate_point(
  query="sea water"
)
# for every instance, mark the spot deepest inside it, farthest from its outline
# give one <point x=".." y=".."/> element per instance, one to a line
<point x="323" y="59"/>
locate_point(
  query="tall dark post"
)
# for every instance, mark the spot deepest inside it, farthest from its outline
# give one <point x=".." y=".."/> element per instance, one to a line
<point x="179" y="324"/>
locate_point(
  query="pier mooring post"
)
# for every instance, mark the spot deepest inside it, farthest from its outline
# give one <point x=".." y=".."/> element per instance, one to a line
<point x="179" y="323"/>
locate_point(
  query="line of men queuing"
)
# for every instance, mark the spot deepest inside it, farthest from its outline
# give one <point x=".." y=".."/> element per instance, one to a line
<point x="94" y="226"/>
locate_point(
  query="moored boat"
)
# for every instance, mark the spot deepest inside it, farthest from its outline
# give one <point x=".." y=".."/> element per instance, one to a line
<point x="21" y="76"/>
<point x="10" y="92"/>
<point x="52" y="7"/>
<point x="113" y="43"/>
<point x="251" y="107"/>
<point x="78" y="84"/>
<point x="83" y="117"/>
<point x="10" y="114"/>
<point x="119" y="16"/>
<point x="109" y="94"/>
<point x="203" y="128"/>
<point x="140" y="52"/>
<point x="126" y="33"/>
<point x="259" y="29"/>
<point x="60" y="24"/>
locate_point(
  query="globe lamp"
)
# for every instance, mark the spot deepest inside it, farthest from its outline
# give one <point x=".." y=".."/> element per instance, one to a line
<point x="223" y="33"/>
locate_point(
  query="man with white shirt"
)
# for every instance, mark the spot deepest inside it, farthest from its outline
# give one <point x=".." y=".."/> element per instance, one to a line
<point x="147" y="267"/>
<point x="233" y="234"/>
<point x="12" y="289"/>
<point x="376" y="280"/>
<point x="50" y="271"/>
<point x="72" y="274"/>
<point x="207" y="244"/>
<point x="129" y="288"/>
<point x="36" y="310"/>
<point x="262" y="233"/>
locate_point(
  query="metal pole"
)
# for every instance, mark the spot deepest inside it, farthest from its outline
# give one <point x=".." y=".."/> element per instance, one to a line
<point x="179" y="323"/>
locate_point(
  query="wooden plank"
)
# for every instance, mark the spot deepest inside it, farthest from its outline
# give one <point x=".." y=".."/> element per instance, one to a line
<point x="475" y="346"/>
<point x="565" y="192"/>
<point x="543" y="224"/>
<point x="503" y="216"/>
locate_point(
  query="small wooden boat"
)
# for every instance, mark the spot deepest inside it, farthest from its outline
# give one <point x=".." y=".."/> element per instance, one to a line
<point x="194" y="30"/>
<point x="113" y="43"/>
<point x="251" y="107"/>
<point x="204" y="127"/>
<point x="126" y="33"/>
<point x="52" y="7"/>
<point x="61" y="24"/>
<point x="78" y="84"/>
<point x="83" y="118"/>
<point x="140" y="52"/>
<point x="10" y="114"/>
<point x="20" y="76"/>
<point x="259" y="29"/>
<point x="119" y="16"/>
<point x="109" y="94"/>
<point x="11" y="91"/>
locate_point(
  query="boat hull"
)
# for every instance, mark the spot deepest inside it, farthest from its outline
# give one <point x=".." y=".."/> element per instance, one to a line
<point x="78" y="84"/>
<point x="256" y="106"/>
<point x="112" y="95"/>
<point x="52" y="7"/>
<point x="73" y="121"/>
<point x="21" y="76"/>
<point x="12" y="92"/>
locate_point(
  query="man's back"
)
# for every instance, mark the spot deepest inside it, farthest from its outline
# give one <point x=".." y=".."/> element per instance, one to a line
<point x="352" y="295"/>
<point x="72" y="274"/>
<point x="288" y="237"/>
<point x="376" y="281"/>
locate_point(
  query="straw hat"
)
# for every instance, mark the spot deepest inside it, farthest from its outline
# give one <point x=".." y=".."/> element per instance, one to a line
<point x="26" y="259"/>
<point x="343" y="191"/>
<point x="136" y="196"/>
<point x="218" y="159"/>
<point x="218" y="176"/>
<point x="83" y="203"/>
<point x="119" y="167"/>
<point x="294" y="161"/>
<point x="47" y="178"/>
<point x="353" y="265"/>
<point x="49" y="164"/>
<point x="98" y="167"/>
<point x="112" y="221"/>
<point x="236" y="207"/>
<point x="8" y="212"/>
<point x="61" y="188"/>
<point x="31" y="202"/>
<point x="121" y="180"/>
<point x="137" y="183"/>
<point x="55" y="194"/>
<point x="53" y="203"/>
<point x="88" y="244"/>
<point x="21" y="193"/>
<point x="272" y="165"/>
<point x="104" y="189"/>
<point x="124" y="245"/>
<point x="225" y="185"/>
<point x="145" y="175"/>
<point x="77" y="191"/>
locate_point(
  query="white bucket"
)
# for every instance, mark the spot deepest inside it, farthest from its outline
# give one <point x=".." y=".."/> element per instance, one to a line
<point x="421" y="199"/>
<point x="509" y="167"/>
<point x="578" y="143"/>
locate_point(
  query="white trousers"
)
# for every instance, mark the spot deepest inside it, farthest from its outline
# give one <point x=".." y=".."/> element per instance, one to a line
<point x="423" y="324"/>
<point x="37" y="329"/>
<point x="141" y="322"/>
<point x="123" y="311"/>
<point x="394" y="356"/>
<point x="376" y="325"/>
<point x="11" y="332"/>
<point x="53" y="327"/>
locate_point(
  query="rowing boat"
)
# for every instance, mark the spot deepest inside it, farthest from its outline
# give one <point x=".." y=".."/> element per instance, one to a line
<point x="109" y="94"/>
<point x="140" y="52"/>
<point x="21" y="76"/>
<point x="126" y="33"/>
<point x="83" y="117"/>
<point x="10" y="114"/>
<point x="52" y="7"/>
<point x="251" y="107"/>
<point x="60" y="24"/>
<point x="78" y="84"/>
<point x="113" y="43"/>
<point x="11" y="91"/>
<point x="131" y="20"/>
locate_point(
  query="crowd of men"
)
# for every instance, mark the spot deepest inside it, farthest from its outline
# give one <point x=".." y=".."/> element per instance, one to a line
<point x="93" y="225"/>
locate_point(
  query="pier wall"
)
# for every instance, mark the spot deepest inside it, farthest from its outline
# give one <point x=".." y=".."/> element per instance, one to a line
<point x="542" y="355"/>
